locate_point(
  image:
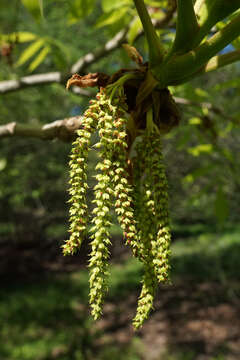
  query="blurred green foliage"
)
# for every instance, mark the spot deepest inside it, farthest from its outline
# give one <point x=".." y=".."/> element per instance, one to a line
<point x="48" y="317"/>
<point x="200" y="153"/>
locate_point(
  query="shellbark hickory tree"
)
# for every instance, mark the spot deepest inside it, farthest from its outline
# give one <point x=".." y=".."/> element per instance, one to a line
<point x="132" y="111"/>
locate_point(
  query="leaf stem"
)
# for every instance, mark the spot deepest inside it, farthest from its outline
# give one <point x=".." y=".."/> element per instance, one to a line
<point x="211" y="12"/>
<point x="156" y="51"/>
<point x="183" y="66"/>
<point x="213" y="64"/>
<point x="221" y="60"/>
<point x="187" y="27"/>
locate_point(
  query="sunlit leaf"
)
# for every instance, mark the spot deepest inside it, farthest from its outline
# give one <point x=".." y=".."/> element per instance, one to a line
<point x="109" y="5"/>
<point x="3" y="163"/>
<point x="199" y="149"/>
<point x="155" y="3"/>
<point x="39" y="58"/>
<point x="41" y="6"/>
<point x="30" y="51"/>
<point x="200" y="92"/>
<point x="24" y="36"/>
<point x="80" y="9"/>
<point x="35" y="7"/>
<point x="111" y="17"/>
<point x="136" y="26"/>
<point x="195" y="121"/>
<point x="21" y="36"/>
<point x="202" y="171"/>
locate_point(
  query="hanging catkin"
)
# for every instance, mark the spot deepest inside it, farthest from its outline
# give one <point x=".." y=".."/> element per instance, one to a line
<point x="137" y="190"/>
<point x="78" y="181"/>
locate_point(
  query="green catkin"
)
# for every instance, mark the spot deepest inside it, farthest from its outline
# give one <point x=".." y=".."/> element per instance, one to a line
<point x="122" y="187"/>
<point x="147" y="232"/>
<point x="156" y="176"/>
<point x="139" y="194"/>
<point x="113" y="180"/>
<point x="78" y="182"/>
<point x="103" y="192"/>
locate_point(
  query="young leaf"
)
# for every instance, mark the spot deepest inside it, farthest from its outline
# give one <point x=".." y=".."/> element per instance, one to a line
<point x="30" y="51"/>
<point x="80" y="9"/>
<point x="111" y="17"/>
<point x="39" y="58"/>
<point x="135" y="28"/>
<point x="109" y="5"/>
<point x="21" y="36"/>
<point x="35" y="7"/>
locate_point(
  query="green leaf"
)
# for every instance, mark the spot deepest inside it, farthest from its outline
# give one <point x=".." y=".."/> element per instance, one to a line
<point x="109" y="5"/>
<point x="202" y="171"/>
<point x="136" y="26"/>
<point x="39" y="59"/>
<point x="41" y="7"/>
<point x="80" y="9"/>
<point x="63" y="49"/>
<point x="24" y="36"/>
<point x="3" y="163"/>
<point x="21" y="36"/>
<point x="199" y="149"/>
<point x="195" y="121"/>
<point x="154" y="3"/>
<point x="111" y="17"/>
<point x="30" y="51"/>
<point x="35" y="7"/>
<point x="221" y="206"/>
<point x="200" y="92"/>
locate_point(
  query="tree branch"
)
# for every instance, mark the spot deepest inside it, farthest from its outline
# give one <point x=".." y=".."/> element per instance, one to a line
<point x="81" y="65"/>
<point x="65" y="130"/>
<point x="221" y="60"/>
<point x="38" y="79"/>
<point x="211" y="12"/>
<point x="187" y="27"/>
<point x="213" y="64"/>
<point x="183" y="66"/>
<point x="90" y="58"/>
<point x="60" y="129"/>
<point x="156" y="51"/>
<point x="214" y="109"/>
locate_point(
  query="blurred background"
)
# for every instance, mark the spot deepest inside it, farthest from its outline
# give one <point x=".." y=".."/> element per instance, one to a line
<point x="44" y="296"/>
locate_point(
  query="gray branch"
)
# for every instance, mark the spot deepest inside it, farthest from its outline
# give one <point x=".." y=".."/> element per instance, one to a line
<point x="64" y="130"/>
<point x="81" y="65"/>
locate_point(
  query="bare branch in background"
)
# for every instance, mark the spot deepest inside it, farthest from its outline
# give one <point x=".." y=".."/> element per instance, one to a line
<point x="81" y="65"/>
<point x="216" y="110"/>
<point x="64" y="130"/>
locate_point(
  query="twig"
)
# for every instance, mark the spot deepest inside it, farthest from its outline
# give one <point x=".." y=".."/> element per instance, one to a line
<point x="81" y="65"/>
<point x="64" y="130"/>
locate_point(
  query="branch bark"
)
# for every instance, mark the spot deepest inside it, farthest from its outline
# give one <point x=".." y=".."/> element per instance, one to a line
<point x="188" y="65"/>
<point x="64" y="130"/>
<point x="81" y="66"/>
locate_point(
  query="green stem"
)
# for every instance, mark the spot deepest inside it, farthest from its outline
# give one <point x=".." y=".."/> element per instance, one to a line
<point x="221" y="60"/>
<point x="187" y="27"/>
<point x="117" y="85"/>
<point x="156" y="51"/>
<point x="213" y="64"/>
<point x="211" y="12"/>
<point x="181" y="67"/>
<point x="197" y="6"/>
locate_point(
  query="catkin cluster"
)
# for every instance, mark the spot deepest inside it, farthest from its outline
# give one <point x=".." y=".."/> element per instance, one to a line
<point x="136" y="188"/>
<point x="153" y="220"/>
